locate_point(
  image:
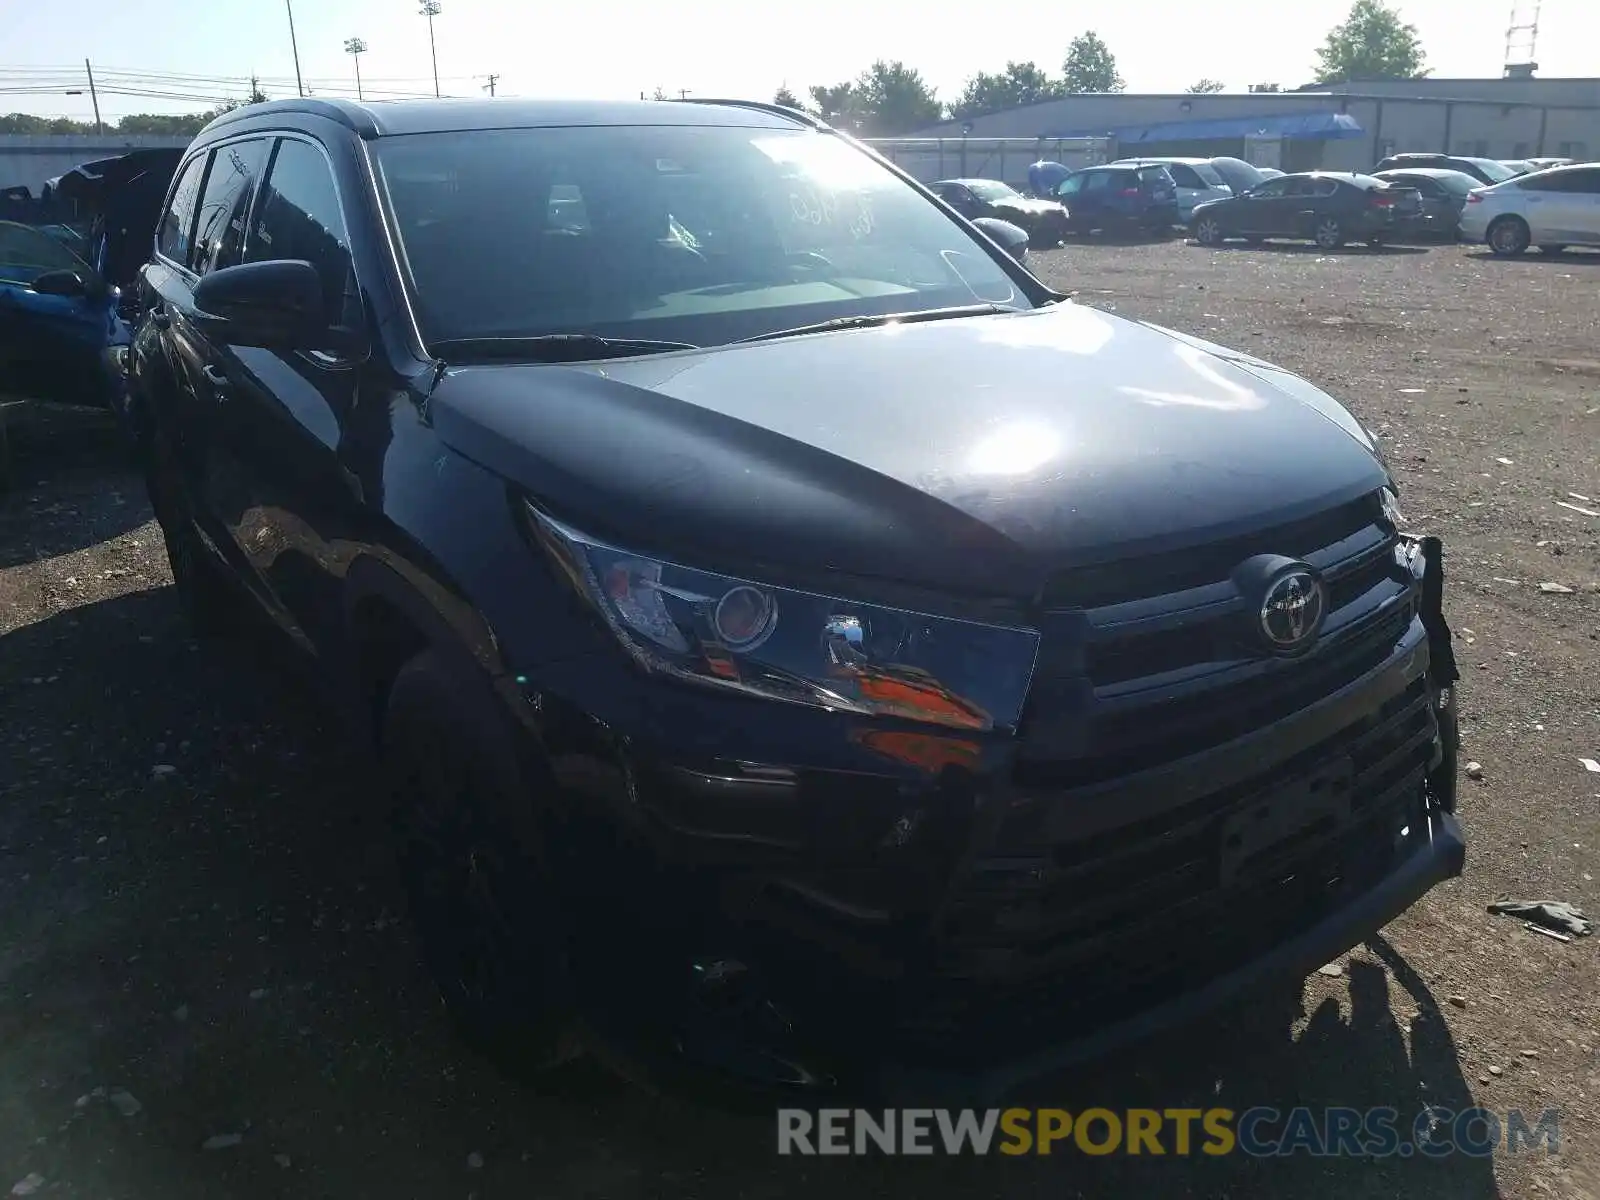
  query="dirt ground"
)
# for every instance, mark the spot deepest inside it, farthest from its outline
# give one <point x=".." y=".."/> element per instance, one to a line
<point x="196" y="908"/>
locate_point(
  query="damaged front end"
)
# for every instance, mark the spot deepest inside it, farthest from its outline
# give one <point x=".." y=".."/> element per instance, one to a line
<point x="1425" y="555"/>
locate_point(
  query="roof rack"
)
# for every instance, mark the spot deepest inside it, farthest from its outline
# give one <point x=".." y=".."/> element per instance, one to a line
<point x="777" y="110"/>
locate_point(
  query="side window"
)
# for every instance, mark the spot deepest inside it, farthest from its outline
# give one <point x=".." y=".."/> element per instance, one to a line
<point x="177" y="222"/>
<point x="299" y="217"/>
<point x="225" y="204"/>
<point x="1586" y="181"/>
<point x="1324" y="187"/>
<point x="1556" y="182"/>
<point x="1070" y="186"/>
<point x="1184" y="176"/>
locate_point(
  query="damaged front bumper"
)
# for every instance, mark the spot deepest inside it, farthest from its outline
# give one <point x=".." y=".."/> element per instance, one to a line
<point x="770" y="979"/>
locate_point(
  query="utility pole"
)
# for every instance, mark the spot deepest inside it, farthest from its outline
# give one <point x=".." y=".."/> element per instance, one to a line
<point x="683" y="93"/>
<point x="294" y="46"/>
<point x="489" y="87"/>
<point x="431" y="9"/>
<point x="354" y="47"/>
<point x="94" y="97"/>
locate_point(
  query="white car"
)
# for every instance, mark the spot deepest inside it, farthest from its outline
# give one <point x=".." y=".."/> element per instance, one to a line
<point x="1197" y="180"/>
<point x="1550" y="209"/>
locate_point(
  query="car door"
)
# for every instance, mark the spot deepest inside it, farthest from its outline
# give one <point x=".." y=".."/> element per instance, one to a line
<point x="962" y="200"/>
<point x="1260" y="211"/>
<point x="1069" y="192"/>
<point x="51" y="346"/>
<point x="1192" y="189"/>
<point x="1570" y="207"/>
<point x="221" y="215"/>
<point x="292" y="431"/>
<point x="1094" y="198"/>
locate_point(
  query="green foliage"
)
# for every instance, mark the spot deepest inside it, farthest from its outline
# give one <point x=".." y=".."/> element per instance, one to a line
<point x="1207" y="87"/>
<point x="786" y="98"/>
<point x="1090" y="66"/>
<point x="1372" y="43"/>
<point x="1018" y="84"/>
<point x="888" y="98"/>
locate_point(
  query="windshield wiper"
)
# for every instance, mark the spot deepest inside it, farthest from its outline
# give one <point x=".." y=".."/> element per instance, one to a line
<point x="554" y="347"/>
<point x="870" y="322"/>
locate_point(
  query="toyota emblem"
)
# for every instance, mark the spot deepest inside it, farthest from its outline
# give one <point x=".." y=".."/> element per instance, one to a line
<point x="1292" y="610"/>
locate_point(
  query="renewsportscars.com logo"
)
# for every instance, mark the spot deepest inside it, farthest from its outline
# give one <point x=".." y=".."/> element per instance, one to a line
<point x="1261" y="1132"/>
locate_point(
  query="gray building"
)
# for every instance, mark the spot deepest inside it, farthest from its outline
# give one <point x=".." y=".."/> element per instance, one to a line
<point x="31" y="159"/>
<point x="1336" y="127"/>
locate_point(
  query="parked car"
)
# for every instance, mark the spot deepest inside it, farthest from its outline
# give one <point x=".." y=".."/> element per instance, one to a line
<point x="1013" y="239"/>
<point x="1443" y="195"/>
<point x="1120" y="199"/>
<point x="1484" y="170"/>
<point x="1044" y="221"/>
<point x="1271" y="172"/>
<point x="1550" y="209"/>
<point x="1239" y="175"/>
<point x="1544" y="164"/>
<point x="58" y="322"/>
<point x="771" y="649"/>
<point x="1196" y="179"/>
<point x="1329" y="209"/>
<point x="1517" y="166"/>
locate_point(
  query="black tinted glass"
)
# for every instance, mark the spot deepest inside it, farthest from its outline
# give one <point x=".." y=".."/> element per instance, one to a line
<point x="299" y="217"/>
<point x="177" y="223"/>
<point x="225" y="203"/>
<point x="699" y="234"/>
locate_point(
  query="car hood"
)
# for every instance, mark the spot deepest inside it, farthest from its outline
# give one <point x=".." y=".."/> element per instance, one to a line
<point x="973" y="455"/>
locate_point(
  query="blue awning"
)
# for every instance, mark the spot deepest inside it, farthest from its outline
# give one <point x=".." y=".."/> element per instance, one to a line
<point x="1321" y="126"/>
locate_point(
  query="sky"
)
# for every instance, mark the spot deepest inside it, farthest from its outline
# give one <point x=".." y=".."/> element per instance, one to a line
<point x="618" y="48"/>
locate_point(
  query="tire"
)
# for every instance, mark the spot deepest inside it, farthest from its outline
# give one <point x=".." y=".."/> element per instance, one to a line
<point x="1208" y="232"/>
<point x="212" y="602"/>
<point x="479" y="899"/>
<point x="1551" y="249"/>
<point x="1329" y="233"/>
<point x="1508" y="236"/>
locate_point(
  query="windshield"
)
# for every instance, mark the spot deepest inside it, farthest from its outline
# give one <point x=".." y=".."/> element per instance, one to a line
<point x="26" y="254"/>
<point x="992" y="190"/>
<point x="694" y="234"/>
<point x="1497" y="172"/>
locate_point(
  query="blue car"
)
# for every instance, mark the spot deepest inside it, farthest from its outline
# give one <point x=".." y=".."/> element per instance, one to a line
<point x="1120" y="198"/>
<point x="60" y="332"/>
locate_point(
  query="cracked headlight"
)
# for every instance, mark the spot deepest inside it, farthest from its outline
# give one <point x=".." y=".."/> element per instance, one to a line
<point x="801" y="647"/>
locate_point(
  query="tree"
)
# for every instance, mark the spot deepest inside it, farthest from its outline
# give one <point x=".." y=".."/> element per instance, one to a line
<point x="891" y="98"/>
<point x="1090" y="66"/>
<point x="836" y="105"/>
<point x="1018" y="84"/>
<point x="786" y="98"/>
<point x="1206" y="87"/>
<point x="1372" y="43"/>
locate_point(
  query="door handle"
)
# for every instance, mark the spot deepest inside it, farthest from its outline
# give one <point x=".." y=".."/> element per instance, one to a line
<point x="215" y="377"/>
<point x="160" y="319"/>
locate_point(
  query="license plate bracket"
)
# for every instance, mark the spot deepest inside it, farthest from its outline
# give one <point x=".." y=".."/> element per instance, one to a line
<point x="1267" y="828"/>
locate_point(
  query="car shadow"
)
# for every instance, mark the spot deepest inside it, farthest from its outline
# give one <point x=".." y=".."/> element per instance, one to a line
<point x="1388" y="248"/>
<point x="1573" y="256"/>
<point x="198" y="907"/>
<point x="94" y="491"/>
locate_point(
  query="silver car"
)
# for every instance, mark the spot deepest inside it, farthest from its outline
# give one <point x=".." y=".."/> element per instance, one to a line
<point x="1550" y="209"/>
<point x="1197" y="180"/>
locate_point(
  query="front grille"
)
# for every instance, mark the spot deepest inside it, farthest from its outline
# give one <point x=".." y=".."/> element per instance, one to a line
<point x="1038" y="936"/>
<point x="1132" y="677"/>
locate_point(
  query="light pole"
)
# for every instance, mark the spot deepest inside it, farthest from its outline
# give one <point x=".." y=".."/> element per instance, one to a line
<point x="431" y="9"/>
<point x="294" y="46"/>
<point x="355" y="48"/>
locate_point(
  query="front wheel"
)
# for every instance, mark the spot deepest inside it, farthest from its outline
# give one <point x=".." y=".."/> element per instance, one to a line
<point x="1509" y="236"/>
<point x="478" y="896"/>
<point x="1329" y="233"/>
<point x="1208" y="232"/>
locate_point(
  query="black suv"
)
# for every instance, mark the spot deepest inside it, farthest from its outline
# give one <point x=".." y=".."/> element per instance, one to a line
<point x="805" y="649"/>
<point x="1485" y="170"/>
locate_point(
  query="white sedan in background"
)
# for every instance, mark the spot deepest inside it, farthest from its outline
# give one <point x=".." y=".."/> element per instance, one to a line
<point x="1550" y="209"/>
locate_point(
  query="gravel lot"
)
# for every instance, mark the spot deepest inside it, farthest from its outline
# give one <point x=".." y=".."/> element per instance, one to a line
<point x="196" y="908"/>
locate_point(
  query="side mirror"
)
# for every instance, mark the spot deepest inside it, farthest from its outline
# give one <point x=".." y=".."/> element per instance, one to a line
<point x="276" y="305"/>
<point x="61" y="283"/>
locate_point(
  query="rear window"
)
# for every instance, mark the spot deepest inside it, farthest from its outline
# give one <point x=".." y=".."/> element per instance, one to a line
<point x="1211" y="176"/>
<point x="1155" y="176"/>
<point x="1497" y="172"/>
